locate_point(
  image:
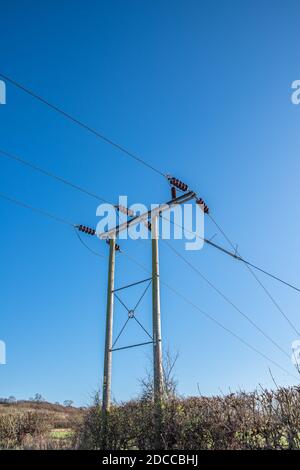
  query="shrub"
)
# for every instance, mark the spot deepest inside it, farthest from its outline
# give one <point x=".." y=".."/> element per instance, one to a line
<point x="16" y="428"/>
<point x="258" y="420"/>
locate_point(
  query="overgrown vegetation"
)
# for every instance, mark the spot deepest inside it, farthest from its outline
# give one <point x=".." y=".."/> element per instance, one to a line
<point x="264" y="419"/>
<point x="259" y="420"/>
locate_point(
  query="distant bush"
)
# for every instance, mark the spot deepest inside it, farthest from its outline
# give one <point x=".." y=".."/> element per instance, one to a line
<point x="38" y="398"/>
<point x="68" y="403"/>
<point x="258" y="420"/>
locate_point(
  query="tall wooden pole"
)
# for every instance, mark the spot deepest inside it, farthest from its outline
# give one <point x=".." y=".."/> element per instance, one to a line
<point x="108" y="340"/>
<point x="157" y="346"/>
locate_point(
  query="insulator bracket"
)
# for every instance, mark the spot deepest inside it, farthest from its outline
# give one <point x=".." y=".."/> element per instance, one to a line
<point x="85" y="229"/>
<point x="178" y="184"/>
<point x="202" y="204"/>
<point x="117" y="247"/>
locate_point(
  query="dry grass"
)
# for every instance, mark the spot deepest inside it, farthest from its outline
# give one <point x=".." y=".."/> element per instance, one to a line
<point x="32" y="425"/>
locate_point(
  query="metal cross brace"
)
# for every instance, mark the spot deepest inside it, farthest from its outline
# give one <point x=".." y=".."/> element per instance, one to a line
<point x="131" y="314"/>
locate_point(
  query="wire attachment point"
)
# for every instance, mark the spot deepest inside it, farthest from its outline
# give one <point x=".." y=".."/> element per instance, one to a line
<point x="88" y="230"/>
<point x="177" y="183"/>
<point x="202" y="205"/>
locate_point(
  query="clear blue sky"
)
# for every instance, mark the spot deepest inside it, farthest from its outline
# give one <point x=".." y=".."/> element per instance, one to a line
<point x="201" y="89"/>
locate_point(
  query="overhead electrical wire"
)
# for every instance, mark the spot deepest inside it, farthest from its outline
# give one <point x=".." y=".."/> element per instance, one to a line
<point x="213" y="319"/>
<point x="248" y="265"/>
<point x="85" y="245"/>
<point x="238" y="257"/>
<point x="269" y="274"/>
<point x="35" y="167"/>
<point x="67" y="182"/>
<point x="64" y="221"/>
<point x="224" y="297"/>
<point x="35" y="209"/>
<point x="156" y="170"/>
<point x="48" y="215"/>
<point x="234" y="255"/>
<point x="82" y="124"/>
<point x="217" y="322"/>
<point x="148" y="165"/>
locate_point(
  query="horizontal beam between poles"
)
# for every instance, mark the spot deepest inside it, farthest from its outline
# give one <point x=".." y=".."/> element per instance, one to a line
<point x="147" y="215"/>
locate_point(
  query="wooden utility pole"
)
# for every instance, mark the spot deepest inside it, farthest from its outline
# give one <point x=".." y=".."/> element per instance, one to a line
<point x="108" y="339"/>
<point x="158" y="381"/>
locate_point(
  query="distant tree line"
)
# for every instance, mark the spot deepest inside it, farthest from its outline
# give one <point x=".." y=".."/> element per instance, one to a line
<point x="38" y="398"/>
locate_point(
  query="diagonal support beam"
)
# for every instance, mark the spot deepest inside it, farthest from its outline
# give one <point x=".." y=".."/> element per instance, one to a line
<point x="121" y="302"/>
<point x="143" y="328"/>
<point x="133" y="284"/>
<point x="142" y="296"/>
<point x="132" y="346"/>
<point x="122" y="329"/>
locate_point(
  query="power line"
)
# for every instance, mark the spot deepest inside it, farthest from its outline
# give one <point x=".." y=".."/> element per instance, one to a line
<point x="234" y="255"/>
<point x="35" y="209"/>
<point x="37" y="168"/>
<point x="64" y="221"/>
<point x="142" y="161"/>
<point x="129" y="154"/>
<point x="51" y="216"/>
<point x="86" y="246"/>
<point x="82" y="124"/>
<point x="47" y="214"/>
<point x="214" y="320"/>
<point x="67" y="182"/>
<point x="248" y="265"/>
<point x="246" y="343"/>
<point x="230" y="302"/>
<point x="270" y="274"/>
